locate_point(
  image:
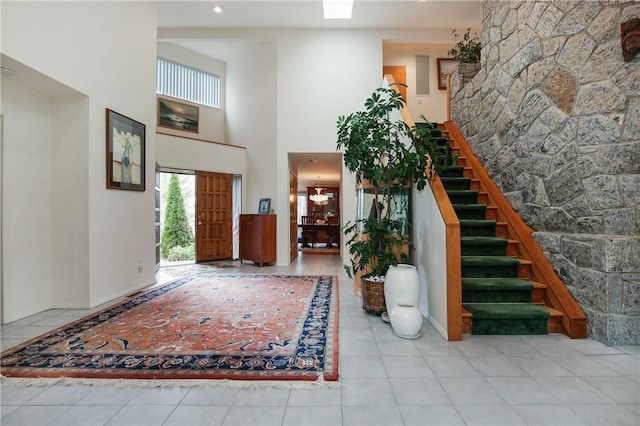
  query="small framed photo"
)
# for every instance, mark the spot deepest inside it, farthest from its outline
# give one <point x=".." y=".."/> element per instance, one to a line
<point x="178" y="115"/>
<point x="125" y="152"/>
<point x="445" y="66"/>
<point x="264" y="206"/>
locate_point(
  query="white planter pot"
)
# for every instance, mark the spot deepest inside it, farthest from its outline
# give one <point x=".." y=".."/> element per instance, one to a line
<point x="406" y="321"/>
<point x="401" y="286"/>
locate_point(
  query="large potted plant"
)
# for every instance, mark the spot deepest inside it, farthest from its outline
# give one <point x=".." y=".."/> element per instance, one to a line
<point x="467" y="53"/>
<point x="386" y="155"/>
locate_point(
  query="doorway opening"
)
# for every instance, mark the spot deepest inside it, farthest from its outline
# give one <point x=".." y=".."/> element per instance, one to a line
<point x="177" y="217"/>
<point x="199" y="216"/>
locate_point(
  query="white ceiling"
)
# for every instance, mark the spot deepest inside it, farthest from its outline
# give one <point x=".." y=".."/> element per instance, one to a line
<point x="367" y="14"/>
<point x="247" y="15"/>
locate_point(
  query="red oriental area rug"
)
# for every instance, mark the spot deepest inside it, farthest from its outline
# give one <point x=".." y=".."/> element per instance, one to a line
<point x="247" y="327"/>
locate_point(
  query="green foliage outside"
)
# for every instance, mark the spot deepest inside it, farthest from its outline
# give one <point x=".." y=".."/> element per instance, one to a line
<point x="177" y="236"/>
<point x="179" y="253"/>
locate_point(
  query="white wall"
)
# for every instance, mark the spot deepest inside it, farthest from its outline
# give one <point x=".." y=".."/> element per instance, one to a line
<point x="211" y="120"/>
<point x="321" y="75"/>
<point x="252" y="118"/>
<point x="83" y="46"/>
<point x="181" y="153"/>
<point x="434" y="105"/>
<point x="429" y="234"/>
<point x="26" y="200"/>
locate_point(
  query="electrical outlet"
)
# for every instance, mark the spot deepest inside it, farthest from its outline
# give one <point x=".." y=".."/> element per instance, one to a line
<point x="139" y="266"/>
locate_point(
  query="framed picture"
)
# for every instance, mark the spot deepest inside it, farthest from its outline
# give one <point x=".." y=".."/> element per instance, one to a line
<point x="264" y="206"/>
<point x="178" y="116"/>
<point x="125" y="152"/>
<point x="445" y="66"/>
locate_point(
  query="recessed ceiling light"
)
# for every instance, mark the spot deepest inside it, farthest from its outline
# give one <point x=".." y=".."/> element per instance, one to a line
<point x="337" y="9"/>
<point x="217" y="9"/>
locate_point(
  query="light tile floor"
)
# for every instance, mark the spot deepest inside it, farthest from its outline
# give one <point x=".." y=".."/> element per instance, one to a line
<point x="482" y="380"/>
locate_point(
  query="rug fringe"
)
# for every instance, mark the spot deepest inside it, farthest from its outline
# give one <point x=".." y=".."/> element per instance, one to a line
<point x="173" y="383"/>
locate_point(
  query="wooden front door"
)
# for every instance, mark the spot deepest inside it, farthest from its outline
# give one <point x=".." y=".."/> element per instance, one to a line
<point x="213" y="216"/>
<point x="399" y="74"/>
<point x="293" y="216"/>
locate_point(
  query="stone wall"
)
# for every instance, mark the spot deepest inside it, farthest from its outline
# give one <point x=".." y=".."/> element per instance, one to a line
<point x="554" y="116"/>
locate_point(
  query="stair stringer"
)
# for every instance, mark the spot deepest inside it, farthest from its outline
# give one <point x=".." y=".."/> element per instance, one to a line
<point x="574" y="322"/>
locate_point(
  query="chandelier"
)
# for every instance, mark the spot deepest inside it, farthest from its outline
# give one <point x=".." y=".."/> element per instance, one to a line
<point x="318" y="197"/>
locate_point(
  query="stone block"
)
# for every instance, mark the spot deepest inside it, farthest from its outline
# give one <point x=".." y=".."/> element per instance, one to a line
<point x="552" y="145"/>
<point x="548" y="19"/>
<point x="619" y="159"/>
<point x="631" y="129"/>
<point x="561" y="87"/>
<point x="551" y="46"/>
<point x="622" y="330"/>
<point x="599" y="98"/>
<point x="517" y="92"/>
<point x="509" y="24"/>
<point x="590" y="225"/>
<point x="602" y="192"/>
<point x="556" y="219"/>
<point x="576" y="52"/>
<point x="605" y="25"/>
<point x="600" y="291"/>
<point x="578" y="207"/>
<point x="565" y="270"/>
<point x="554" y="118"/>
<point x="532" y="105"/>
<point x="599" y="129"/>
<point x="534" y="192"/>
<point x="605" y="60"/>
<point x="628" y="78"/>
<point x="563" y="185"/>
<point x="616" y="253"/>
<point x="620" y="222"/>
<point x="548" y="242"/>
<point x="577" y="252"/>
<point x="631" y="294"/>
<point x="630" y="189"/>
<point x="578" y="18"/>
<point x="525" y="56"/>
<point x="587" y="166"/>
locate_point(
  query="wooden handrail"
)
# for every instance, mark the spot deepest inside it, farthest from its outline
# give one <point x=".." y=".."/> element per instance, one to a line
<point x="556" y="296"/>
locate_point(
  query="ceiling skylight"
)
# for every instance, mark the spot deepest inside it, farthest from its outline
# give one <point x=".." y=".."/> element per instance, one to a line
<point x="337" y="9"/>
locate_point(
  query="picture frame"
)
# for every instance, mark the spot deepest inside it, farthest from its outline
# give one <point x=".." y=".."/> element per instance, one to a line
<point x="445" y="66"/>
<point x="125" y="152"/>
<point x="264" y="206"/>
<point x="178" y="115"/>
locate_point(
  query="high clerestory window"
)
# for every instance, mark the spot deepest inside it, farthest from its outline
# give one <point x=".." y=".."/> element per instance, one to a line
<point x="187" y="83"/>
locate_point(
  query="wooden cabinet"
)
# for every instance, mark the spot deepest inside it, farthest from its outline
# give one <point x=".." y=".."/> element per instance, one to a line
<point x="258" y="238"/>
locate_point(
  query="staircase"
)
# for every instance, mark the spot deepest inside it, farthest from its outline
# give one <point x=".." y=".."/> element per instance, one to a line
<point x="500" y="294"/>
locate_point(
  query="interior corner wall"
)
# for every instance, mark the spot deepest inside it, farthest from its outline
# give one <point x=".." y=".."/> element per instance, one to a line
<point x="82" y="45"/>
<point x="434" y="105"/>
<point x="27" y="281"/>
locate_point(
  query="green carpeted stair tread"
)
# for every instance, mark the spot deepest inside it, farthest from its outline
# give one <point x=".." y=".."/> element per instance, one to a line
<point x="470" y="211"/>
<point x="496" y="284"/>
<point x="480" y="240"/>
<point x="463" y="196"/>
<point x="506" y="310"/>
<point x="489" y="261"/>
<point x="483" y="246"/>
<point x="456" y="183"/>
<point x="478" y="227"/>
<point x="452" y="172"/>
